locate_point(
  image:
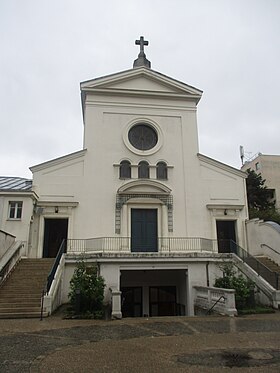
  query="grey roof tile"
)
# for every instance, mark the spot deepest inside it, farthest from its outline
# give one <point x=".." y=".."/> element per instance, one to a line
<point x="15" y="184"/>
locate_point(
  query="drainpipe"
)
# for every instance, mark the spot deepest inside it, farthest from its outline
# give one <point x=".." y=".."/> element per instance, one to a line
<point x="207" y="273"/>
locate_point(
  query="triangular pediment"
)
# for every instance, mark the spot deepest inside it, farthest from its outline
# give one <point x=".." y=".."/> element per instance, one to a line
<point x="144" y="83"/>
<point x="141" y="80"/>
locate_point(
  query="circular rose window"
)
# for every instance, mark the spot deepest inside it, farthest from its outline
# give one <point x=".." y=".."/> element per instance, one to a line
<point x="142" y="136"/>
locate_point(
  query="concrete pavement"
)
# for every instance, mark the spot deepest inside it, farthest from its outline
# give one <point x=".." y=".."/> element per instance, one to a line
<point x="169" y="344"/>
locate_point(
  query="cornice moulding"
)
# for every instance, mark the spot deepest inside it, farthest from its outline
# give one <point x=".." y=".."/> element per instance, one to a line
<point x="222" y="166"/>
<point x="57" y="161"/>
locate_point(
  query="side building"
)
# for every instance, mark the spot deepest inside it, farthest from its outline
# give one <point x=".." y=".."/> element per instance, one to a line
<point x="268" y="166"/>
<point x="17" y="201"/>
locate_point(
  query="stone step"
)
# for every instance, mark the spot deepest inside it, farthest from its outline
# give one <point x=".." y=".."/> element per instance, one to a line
<point x="24" y="285"/>
<point x="23" y="293"/>
<point x="34" y="303"/>
<point x="34" y="264"/>
<point x="21" y="270"/>
<point x="37" y="260"/>
<point x="19" y="296"/>
<point x="22" y="315"/>
<point x="32" y="269"/>
<point x="18" y="299"/>
<point x="12" y="280"/>
<point x="22" y="289"/>
<point x="20" y="309"/>
<point x="11" y="283"/>
<point x="26" y="280"/>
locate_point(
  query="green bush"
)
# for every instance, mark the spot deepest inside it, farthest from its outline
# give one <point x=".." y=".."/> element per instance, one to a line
<point x="87" y="290"/>
<point x="244" y="288"/>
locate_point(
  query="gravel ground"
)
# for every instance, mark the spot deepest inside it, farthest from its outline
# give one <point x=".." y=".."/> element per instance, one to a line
<point x="178" y="344"/>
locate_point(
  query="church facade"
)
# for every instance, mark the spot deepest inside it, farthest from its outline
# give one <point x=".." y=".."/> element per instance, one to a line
<point x="139" y="198"/>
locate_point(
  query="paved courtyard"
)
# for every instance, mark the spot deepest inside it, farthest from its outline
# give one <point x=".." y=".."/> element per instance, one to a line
<point x="182" y="344"/>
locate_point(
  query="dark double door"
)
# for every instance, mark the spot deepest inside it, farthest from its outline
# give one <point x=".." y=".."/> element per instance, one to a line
<point x="144" y="230"/>
<point x="225" y="234"/>
<point x="163" y="301"/>
<point x="132" y="301"/>
<point x="55" y="231"/>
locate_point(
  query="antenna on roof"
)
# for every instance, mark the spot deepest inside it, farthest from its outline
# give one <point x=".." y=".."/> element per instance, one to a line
<point x="241" y="151"/>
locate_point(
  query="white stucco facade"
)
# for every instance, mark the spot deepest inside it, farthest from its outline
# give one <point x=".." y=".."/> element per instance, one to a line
<point x="152" y="227"/>
<point x="202" y="189"/>
<point x="85" y="195"/>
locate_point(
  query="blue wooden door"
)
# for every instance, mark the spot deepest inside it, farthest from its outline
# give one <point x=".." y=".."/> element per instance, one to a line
<point x="144" y="230"/>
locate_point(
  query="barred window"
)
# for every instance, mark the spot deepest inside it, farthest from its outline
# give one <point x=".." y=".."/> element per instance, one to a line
<point x="125" y="170"/>
<point x="162" y="171"/>
<point x="143" y="170"/>
<point x="15" y="209"/>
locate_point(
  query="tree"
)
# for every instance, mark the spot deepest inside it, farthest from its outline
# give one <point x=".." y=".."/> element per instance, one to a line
<point x="258" y="195"/>
<point x="88" y="286"/>
<point x="259" y="198"/>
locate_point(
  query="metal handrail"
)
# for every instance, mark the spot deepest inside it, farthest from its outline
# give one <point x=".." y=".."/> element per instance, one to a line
<point x="42" y="304"/>
<point x="5" y="270"/>
<point x="51" y="275"/>
<point x="261" y="269"/>
<point x="61" y="251"/>
<point x="218" y="300"/>
<point x="264" y="244"/>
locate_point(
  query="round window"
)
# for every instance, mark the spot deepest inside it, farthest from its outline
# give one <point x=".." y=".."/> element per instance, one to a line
<point x="142" y="136"/>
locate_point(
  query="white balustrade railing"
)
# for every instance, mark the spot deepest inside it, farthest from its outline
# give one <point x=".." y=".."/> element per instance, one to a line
<point x="165" y="245"/>
<point x="222" y="300"/>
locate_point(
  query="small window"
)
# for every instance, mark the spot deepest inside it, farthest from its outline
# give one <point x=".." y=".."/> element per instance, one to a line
<point x="258" y="166"/>
<point x="143" y="170"/>
<point x="125" y="170"/>
<point x="162" y="171"/>
<point x="15" y="210"/>
<point x="271" y="195"/>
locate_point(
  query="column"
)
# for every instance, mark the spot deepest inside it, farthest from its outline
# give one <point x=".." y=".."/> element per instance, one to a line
<point x="116" y="303"/>
<point x="124" y="228"/>
<point x="164" y="229"/>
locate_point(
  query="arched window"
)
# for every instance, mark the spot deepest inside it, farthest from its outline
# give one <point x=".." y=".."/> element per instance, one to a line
<point x="162" y="171"/>
<point x="125" y="170"/>
<point x="143" y="170"/>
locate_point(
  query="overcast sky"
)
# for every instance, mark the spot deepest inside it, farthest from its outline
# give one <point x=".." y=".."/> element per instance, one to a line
<point x="230" y="49"/>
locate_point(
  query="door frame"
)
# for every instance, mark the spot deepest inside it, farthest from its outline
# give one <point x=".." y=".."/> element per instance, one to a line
<point x="145" y="221"/>
<point x="45" y="252"/>
<point x="223" y="242"/>
<point x="48" y="210"/>
<point x="141" y="205"/>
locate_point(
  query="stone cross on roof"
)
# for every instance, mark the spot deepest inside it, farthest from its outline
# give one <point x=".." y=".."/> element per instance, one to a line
<point x="141" y="42"/>
<point x="141" y="60"/>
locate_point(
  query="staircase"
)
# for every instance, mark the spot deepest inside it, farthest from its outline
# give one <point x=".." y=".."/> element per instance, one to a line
<point x="269" y="263"/>
<point x="20" y="295"/>
<point x="265" y="268"/>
